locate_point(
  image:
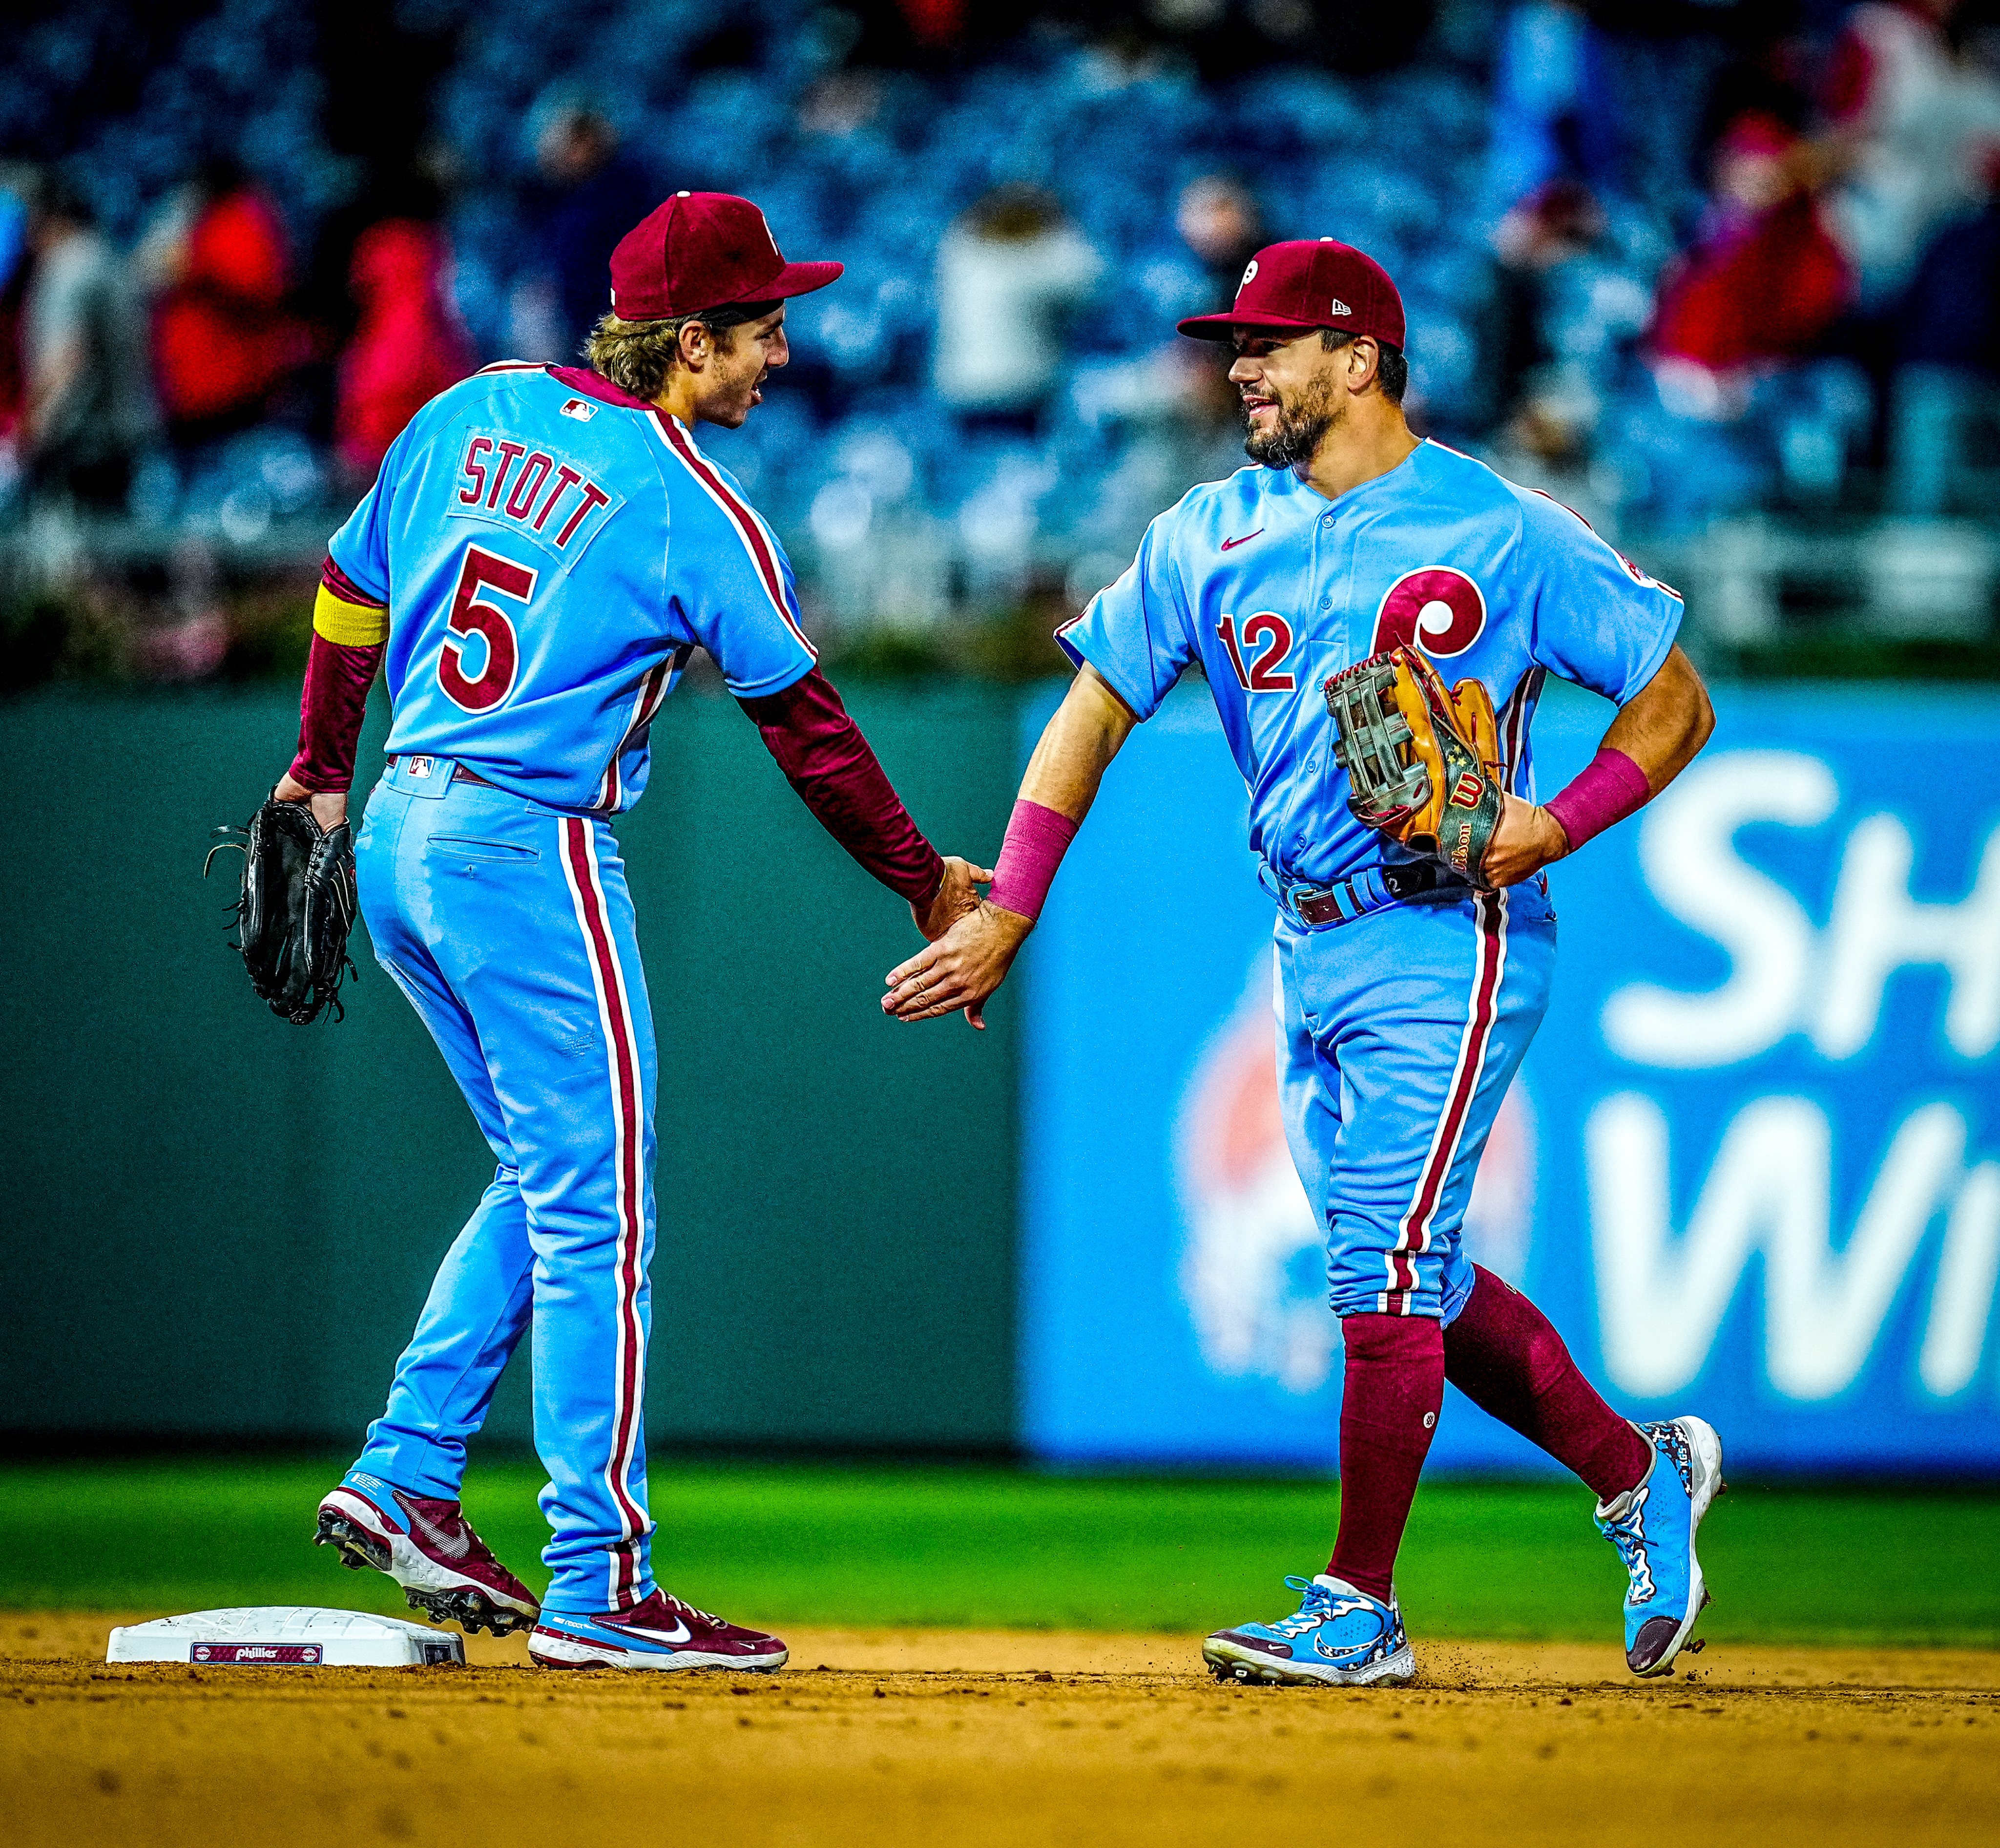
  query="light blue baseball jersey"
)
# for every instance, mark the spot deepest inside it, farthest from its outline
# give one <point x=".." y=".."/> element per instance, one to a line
<point x="1272" y="590"/>
<point x="552" y="549"/>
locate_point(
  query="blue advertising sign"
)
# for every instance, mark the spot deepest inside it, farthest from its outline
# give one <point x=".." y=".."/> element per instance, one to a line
<point x="1751" y="1169"/>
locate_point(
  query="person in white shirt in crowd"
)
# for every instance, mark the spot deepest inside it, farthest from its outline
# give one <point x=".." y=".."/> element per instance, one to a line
<point x="1915" y="123"/>
<point x="88" y="412"/>
<point x="1009" y="271"/>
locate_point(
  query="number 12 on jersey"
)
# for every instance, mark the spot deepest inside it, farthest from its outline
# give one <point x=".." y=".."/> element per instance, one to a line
<point x="498" y="653"/>
<point x="1266" y="627"/>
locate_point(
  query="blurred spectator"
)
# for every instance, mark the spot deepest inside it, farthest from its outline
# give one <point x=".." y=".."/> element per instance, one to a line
<point x="1556" y="224"/>
<point x="222" y="339"/>
<point x="1947" y="388"/>
<point x="1219" y="221"/>
<point x="408" y="343"/>
<point x="13" y="288"/>
<point x="1007" y="272"/>
<point x="1912" y="124"/>
<point x="86" y="413"/>
<point x="1764" y="280"/>
<point x="594" y="194"/>
<point x="1553" y="106"/>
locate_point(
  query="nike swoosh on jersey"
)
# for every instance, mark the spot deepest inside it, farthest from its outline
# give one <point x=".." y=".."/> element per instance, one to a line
<point x="1244" y="541"/>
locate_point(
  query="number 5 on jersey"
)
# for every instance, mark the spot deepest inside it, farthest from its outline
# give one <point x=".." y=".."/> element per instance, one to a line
<point x="497" y="654"/>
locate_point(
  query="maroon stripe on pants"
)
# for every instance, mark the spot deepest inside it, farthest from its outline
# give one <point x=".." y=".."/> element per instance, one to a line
<point x="1465" y="1085"/>
<point x="583" y="868"/>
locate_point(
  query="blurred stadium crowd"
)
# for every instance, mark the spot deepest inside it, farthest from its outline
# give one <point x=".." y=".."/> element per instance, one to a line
<point x="1726" y="276"/>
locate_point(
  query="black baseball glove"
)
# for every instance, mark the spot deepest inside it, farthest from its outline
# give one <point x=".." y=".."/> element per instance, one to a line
<point x="299" y="903"/>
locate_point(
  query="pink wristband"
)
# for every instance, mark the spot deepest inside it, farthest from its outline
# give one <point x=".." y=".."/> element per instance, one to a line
<point x="1610" y="787"/>
<point x="1037" y="838"/>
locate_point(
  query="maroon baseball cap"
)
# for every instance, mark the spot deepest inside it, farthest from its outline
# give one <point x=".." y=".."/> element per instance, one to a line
<point x="704" y="250"/>
<point x="1310" y="282"/>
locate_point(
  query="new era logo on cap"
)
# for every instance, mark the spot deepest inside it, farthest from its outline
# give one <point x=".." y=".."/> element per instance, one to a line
<point x="1340" y="307"/>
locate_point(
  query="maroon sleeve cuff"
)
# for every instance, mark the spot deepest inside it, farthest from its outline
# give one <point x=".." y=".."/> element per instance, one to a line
<point x="826" y="759"/>
<point x="334" y="702"/>
<point x="344" y="587"/>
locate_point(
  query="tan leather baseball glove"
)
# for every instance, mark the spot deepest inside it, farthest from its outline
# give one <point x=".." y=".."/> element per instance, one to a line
<point x="1422" y="762"/>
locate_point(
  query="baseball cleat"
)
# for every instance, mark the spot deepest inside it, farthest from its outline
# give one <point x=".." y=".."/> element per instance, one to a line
<point x="1337" y="1637"/>
<point x="427" y="1546"/>
<point x="1653" y="1526"/>
<point x="659" y="1632"/>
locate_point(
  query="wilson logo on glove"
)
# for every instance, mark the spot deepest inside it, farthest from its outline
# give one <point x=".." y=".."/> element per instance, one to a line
<point x="1423" y="764"/>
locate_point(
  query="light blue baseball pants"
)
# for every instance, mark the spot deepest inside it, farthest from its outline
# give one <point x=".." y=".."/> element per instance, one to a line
<point x="1398" y="1034"/>
<point x="509" y="928"/>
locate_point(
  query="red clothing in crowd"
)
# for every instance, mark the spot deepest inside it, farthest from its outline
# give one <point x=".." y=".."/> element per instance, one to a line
<point x="1764" y="291"/>
<point x="1763" y="283"/>
<point x="221" y="337"/>
<point x="408" y="344"/>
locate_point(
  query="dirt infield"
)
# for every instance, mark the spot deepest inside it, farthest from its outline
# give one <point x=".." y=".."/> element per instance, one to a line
<point x="1007" y="1737"/>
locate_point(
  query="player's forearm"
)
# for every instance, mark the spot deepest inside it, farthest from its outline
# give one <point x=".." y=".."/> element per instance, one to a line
<point x="1663" y="725"/>
<point x="348" y="633"/>
<point x="1075" y="748"/>
<point x="825" y="758"/>
<point x="1653" y="739"/>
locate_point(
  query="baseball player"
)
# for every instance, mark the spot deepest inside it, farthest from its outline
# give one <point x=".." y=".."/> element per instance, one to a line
<point x="544" y="548"/>
<point x="1406" y="994"/>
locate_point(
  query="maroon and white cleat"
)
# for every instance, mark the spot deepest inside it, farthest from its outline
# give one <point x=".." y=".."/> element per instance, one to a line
<point x="659" y="1632"/>
<point x="428" y="1546"/>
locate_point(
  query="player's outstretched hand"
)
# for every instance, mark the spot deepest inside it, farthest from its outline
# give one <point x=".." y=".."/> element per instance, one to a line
<point x="957" y="895"/>
<point x="960" y="969"/>
<point x="1526" y="840"/>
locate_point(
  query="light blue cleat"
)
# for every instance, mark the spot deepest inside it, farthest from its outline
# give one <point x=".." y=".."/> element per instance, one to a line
<point x="1337" y="1637"/>
<point x="1653" y="1526"/>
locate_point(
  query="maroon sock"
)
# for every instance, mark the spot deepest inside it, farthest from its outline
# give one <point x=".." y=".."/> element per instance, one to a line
<point x="1504" y="1356"/>
<point x="1395" y="1387"/>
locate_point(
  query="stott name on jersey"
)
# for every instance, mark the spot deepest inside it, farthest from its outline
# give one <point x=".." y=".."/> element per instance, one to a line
<point x="550" y="500"/>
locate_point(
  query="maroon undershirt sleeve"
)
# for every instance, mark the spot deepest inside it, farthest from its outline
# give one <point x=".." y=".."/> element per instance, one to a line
<point x="826" y="759"/>
<point x="335" y="701"/>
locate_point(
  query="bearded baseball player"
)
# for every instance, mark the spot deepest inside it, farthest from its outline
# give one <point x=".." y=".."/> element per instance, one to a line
<point x="1325" y="594"/>
<point x="545" y="547"/>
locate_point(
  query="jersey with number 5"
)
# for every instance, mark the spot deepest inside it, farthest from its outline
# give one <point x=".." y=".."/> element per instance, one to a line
<point x="552" y="550"/>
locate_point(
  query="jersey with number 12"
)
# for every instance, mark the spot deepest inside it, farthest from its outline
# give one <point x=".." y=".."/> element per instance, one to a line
<point x="552" y="550"/>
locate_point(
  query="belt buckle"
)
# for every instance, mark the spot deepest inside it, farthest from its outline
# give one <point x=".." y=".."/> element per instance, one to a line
<point x="1317" y="908"/>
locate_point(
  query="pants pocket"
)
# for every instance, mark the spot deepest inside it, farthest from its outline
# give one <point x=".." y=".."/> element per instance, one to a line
<point x="467" y="846"/>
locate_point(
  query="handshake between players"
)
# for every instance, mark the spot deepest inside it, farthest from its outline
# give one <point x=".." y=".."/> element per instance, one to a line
<point x="544" y="549"/>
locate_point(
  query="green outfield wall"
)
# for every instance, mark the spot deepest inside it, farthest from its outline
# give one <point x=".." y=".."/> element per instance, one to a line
<point x="217" y="1225"/>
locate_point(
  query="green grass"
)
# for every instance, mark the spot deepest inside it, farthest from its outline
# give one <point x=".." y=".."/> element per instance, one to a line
<point x="990" y="1546"/>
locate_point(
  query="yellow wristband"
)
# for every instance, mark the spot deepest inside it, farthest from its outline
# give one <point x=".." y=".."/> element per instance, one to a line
<point x="352" y="625"/>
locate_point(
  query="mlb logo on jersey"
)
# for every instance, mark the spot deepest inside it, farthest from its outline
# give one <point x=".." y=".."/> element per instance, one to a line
<point x="581" y="409"/>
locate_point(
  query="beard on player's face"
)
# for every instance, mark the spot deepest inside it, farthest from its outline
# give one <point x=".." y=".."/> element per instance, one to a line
<point x="1293" y="438"/>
